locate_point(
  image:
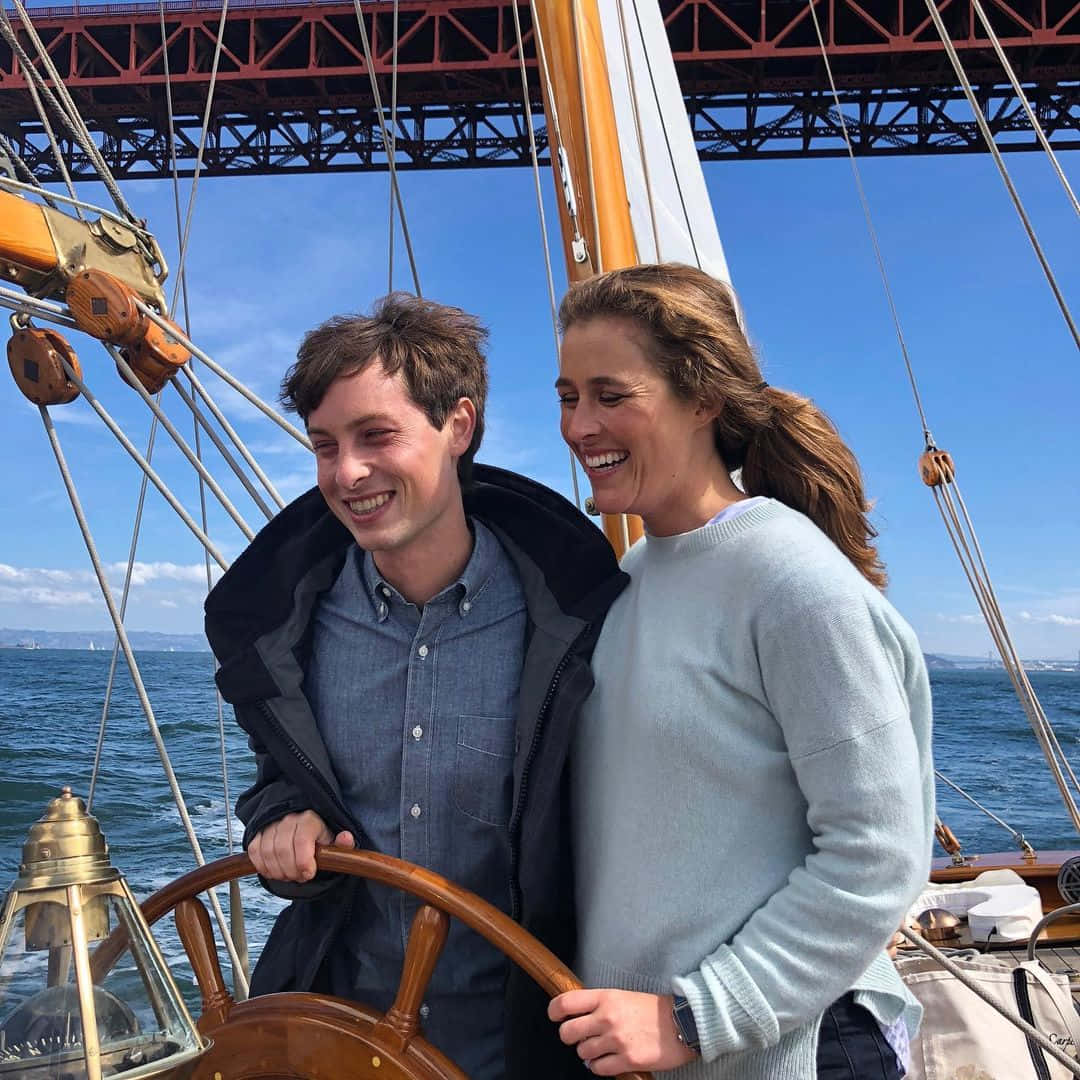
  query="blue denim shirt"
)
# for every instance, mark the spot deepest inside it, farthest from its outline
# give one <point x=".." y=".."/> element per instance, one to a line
<point x="418" y="710"/>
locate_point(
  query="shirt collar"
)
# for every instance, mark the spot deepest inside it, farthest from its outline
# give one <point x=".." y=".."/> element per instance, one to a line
<point x="464" y="591"/>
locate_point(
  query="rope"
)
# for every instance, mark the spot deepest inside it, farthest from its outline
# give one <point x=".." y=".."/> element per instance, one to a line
<point x="1032" y="118"/>
<point x="879" y="257"/>
<point x="28" y="306"/>
<point x="988" y="138"/>
<point x="542" y="218"/>
<point x="129" y="656"/>
<point x="370" y="64"/>
<point x="962" y="976"/>
<point x="1017" y="836"/>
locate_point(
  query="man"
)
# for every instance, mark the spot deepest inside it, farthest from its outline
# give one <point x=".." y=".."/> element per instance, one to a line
<point x="407" y="648"/>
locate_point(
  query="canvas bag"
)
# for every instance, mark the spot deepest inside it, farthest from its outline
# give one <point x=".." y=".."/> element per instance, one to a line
<point x="963" y="1038"/>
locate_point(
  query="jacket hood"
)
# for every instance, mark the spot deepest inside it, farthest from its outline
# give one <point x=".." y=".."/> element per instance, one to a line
<point x="256" y="594"/>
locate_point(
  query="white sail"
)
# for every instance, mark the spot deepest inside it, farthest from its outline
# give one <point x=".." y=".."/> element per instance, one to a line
<point x="670" y="209"/>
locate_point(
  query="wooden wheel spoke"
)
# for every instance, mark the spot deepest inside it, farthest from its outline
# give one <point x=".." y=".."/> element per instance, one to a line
<point x="427" y="936"/>
<point x="197" y="936"/>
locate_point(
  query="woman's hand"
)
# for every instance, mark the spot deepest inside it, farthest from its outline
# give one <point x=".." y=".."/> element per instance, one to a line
<point x="617" y="1031"/>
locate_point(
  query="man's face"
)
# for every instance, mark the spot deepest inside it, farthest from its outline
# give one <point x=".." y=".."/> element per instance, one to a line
<point x="384" y="470"/>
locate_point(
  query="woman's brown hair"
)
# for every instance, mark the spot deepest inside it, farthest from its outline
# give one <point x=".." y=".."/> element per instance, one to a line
<point x="785" y="446"/>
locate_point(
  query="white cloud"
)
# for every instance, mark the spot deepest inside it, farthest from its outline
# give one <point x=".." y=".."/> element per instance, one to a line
<point x="41" y="596"/>
<point x="1054" y="619"/>
<point x="942" y="617"/>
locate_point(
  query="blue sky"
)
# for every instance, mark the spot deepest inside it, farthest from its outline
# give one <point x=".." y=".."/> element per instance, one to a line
<point x="272" y="257"/>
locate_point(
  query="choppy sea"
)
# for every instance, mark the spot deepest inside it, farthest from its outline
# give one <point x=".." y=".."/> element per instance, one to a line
<point x="51" y="705"/>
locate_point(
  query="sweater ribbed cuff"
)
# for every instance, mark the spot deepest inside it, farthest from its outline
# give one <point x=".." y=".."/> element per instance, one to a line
<point x="730" y="1011"/>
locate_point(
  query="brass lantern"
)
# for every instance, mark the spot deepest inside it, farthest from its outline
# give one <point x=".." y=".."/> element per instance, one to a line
<point x="84" y="990"/>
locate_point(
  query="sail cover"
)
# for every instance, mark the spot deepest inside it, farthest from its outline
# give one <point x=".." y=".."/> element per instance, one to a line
<point x="670" y="209"/>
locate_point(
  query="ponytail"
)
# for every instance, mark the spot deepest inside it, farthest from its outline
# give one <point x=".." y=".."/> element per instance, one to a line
<point x="786" y="447"/>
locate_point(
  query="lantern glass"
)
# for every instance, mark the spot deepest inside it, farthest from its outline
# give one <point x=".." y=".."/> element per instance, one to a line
<point x="84" y="990"/>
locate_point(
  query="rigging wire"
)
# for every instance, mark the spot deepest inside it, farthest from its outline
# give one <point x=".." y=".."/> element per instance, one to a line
<point x="1014" y="833"/>
<point x="1018" y="90"/>
<point x="976" y="571"/>
<point x="133" y="667"/>
<point x="234" y="437"/>
<point x="565" y="172"/>
<point x="143" y="464"/>
<point x="393" y="147"/>
<point x="34" y="187"/>
<point x="225" y="375"/>
<point x="370" y="64"/>
<point x="110" y="682"/>
<point x="878" y="256"/>
<point x="590" y="171"/>
<point x="33" y="80"/>
<point x="71" y="116"/>
<point x="181" y="443"/>
<point x="542" y="217"/>
<point x="185" y="239"/>
<point x="992" y="146"/>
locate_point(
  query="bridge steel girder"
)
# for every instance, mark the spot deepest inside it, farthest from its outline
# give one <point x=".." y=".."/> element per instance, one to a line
<point x="293" y="92"/>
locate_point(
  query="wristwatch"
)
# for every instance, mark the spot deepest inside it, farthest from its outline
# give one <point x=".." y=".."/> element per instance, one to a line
<point x="685" y="1027"/>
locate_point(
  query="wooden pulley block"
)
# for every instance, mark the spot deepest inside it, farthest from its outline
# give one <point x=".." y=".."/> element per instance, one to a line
<point x="151" y="381"/>
<point x="157" y="357"/>
<point x="36" y="358"/>
<point x="936" y="468"/>
<point x="105" y="308"/>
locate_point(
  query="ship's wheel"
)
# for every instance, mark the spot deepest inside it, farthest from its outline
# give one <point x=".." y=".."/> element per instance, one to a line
<point x="302" y="1036"/>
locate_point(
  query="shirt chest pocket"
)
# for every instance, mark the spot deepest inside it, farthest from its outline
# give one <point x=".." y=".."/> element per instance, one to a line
<point x="484" y="768"/>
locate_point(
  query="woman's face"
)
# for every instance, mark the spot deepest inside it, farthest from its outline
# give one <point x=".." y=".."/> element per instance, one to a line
<point x="644" y="450"/>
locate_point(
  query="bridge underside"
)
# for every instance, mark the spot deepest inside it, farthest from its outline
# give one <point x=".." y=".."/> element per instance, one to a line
<point x="293" y="93"/>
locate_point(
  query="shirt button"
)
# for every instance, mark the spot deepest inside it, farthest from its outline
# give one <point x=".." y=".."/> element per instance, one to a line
<point x="415" y="809"/>
<point x="466" y="606"/>
<point x="423" y="651"/>
<point x="425" y="1011"/>
<point x="382" y="610"/>
<point x="418" y="732"/>
<point x="385" y="591"/>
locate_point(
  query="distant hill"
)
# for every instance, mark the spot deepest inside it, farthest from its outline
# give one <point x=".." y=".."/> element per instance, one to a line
<point x="149" y="640"/>
<point x="935" y="662"/>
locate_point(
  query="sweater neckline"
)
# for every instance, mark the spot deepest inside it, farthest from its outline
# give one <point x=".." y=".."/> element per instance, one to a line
<point x="709" y="535"/>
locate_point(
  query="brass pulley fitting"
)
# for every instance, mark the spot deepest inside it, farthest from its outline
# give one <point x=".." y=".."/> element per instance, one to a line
<point x="36" y="358"/>
<point x="936" y="467"/>
<point x="104" y="307"/>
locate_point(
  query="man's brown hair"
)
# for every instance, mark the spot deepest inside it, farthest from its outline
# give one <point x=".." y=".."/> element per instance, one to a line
<point x="439" y="351"/>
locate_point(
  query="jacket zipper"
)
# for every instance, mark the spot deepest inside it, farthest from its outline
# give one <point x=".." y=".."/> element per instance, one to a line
<point x="515" y="887"/>
<point x="309" y="766"/>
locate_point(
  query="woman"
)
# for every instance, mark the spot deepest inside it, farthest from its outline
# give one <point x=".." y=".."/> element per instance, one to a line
<point x="753" y="789"/>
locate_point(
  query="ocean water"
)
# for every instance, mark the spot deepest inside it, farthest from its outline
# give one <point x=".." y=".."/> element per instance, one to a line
<point x="51" y="704"/>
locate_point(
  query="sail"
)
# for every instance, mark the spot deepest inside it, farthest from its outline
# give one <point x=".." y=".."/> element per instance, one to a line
<point x="670" y="209"/>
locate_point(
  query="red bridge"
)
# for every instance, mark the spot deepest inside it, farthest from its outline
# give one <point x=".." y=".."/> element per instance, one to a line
<point x="293" y="92"/>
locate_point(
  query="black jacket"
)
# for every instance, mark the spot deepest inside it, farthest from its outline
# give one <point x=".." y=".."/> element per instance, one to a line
<point x="258" y="621"/>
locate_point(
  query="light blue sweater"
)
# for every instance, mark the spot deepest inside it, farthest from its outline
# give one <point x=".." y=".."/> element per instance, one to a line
<point x="753" y="789"/>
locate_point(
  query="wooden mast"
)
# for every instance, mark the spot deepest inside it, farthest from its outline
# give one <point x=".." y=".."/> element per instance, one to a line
<point x="576" y="84"/>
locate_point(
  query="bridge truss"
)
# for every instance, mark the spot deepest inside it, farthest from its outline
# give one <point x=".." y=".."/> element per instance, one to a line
<point x="293" y="92"/>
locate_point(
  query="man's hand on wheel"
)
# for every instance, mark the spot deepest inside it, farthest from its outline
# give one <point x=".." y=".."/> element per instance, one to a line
<point x="285" y="851"/>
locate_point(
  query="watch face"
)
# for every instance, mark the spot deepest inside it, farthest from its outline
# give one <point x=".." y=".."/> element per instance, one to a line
<point x="683" y="1016"/>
